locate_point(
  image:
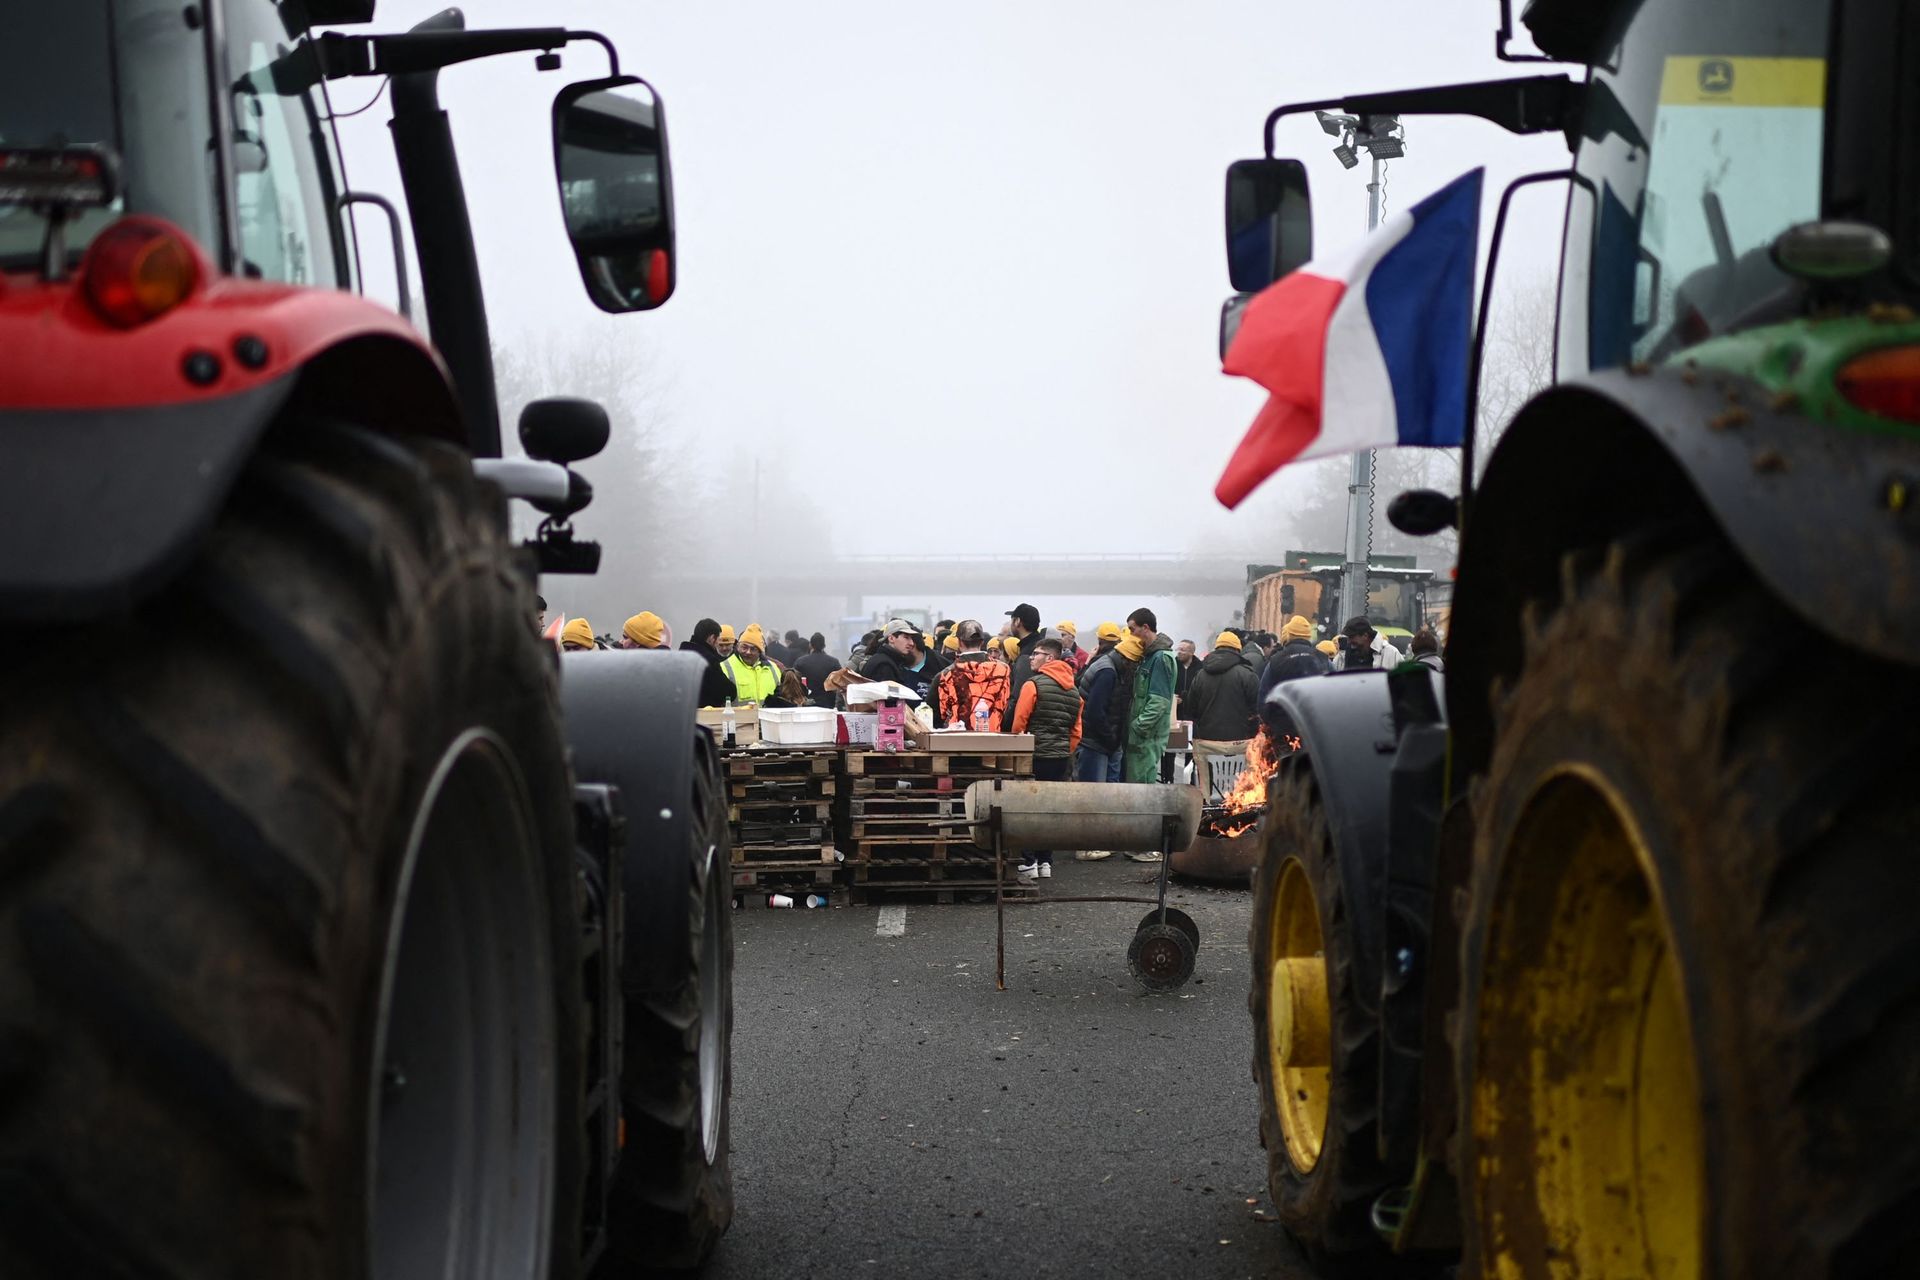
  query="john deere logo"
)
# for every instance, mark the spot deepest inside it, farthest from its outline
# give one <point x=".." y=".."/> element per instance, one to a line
<point x="1716" y="76"/>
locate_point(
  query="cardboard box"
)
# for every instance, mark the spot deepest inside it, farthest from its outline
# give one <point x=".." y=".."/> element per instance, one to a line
<point x="989" y="744"/>
<point x="746" y="724"/>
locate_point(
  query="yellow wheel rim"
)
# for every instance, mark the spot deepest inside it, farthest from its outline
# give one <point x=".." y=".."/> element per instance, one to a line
<point x="1298" y="1040"/>
<point x="1586" y="1108"/>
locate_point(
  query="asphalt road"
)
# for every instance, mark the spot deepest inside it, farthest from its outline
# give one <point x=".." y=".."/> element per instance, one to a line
<point x="893" y="1114"/>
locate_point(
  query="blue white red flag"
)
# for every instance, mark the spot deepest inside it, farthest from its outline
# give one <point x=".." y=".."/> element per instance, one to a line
<point x="1365" y="349"/>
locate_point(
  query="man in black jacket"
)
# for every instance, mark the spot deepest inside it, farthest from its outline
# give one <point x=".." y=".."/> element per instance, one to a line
<point x="715" y="688"/>
<point x="814" y="668"/>
<point x="900" y="658"/>
<point x="1027" y="630"/>
<point x="1221" y="704"/>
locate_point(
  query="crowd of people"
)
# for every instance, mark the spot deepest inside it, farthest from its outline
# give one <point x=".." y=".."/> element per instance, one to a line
<point x="1098" y="714"/>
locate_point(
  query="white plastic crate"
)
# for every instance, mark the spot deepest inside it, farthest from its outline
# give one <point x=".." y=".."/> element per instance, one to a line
<point x="797" y="726"/>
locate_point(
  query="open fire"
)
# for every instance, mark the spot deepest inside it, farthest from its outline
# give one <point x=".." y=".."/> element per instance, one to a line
<point x="1243" y="807"/>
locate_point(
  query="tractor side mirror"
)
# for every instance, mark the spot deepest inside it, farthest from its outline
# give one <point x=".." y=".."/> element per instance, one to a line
<point x="1421" y="512"/>
<point x="616" y="190"/>
<point x="563" y="429"/>
<point x="1269" y="221"/>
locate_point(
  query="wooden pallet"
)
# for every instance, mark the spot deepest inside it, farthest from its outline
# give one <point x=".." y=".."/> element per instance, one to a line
<point x="752" y="833"/>
<point x="790" y="790"/>
<point x="782" y="762"/>
<point x="765" y="853"/>
<point x="919" y="805"/>
<point x="773" y="875"/>
<point x="936" y="763"/>
<point x="781" y="809"/>
<point x="916" y="829"/>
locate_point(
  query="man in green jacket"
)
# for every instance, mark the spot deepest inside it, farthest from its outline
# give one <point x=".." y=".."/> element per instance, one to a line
<point x="1152" y="719"/>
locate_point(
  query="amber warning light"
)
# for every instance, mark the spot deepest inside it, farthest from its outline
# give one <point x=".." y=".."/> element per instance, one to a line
<point x="137" y="270"/>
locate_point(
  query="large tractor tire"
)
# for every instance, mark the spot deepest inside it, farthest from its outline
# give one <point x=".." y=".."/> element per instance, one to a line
<point x="672" y="1196"/>
<point x="1316" y="1049"/>
<point x="1689" y="1041"/>
<point x="289" y="971"/>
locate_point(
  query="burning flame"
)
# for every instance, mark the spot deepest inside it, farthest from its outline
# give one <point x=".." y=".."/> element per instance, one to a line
<point x="1250" y="790"/>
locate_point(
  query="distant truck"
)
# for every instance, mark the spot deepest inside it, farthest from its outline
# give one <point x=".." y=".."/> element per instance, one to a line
<point x="1307" y="583"/>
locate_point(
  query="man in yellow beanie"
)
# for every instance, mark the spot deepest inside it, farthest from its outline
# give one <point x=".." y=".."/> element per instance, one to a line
<point x="1070" y="650"/>
<point x="1295" y="656"/>
<point x="725" y="643"/>
<point x="754" y="679"/>
<point x="644" y="630"/>
<point x="576" y="636"/>
<point x="1223" y="705"/>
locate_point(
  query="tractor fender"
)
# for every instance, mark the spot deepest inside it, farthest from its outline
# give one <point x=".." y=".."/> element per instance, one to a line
<point x="1816" y="510"/>
<point x="631" y="719"/>
<point x="120" y="462"/>
<point x="1345" y="725"/>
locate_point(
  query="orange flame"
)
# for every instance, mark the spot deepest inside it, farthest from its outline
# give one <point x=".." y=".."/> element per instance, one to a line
<point x="1250" y="788"/>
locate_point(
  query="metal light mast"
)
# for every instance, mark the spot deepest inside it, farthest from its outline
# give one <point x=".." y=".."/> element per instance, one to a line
<point x="1383" y="138"/>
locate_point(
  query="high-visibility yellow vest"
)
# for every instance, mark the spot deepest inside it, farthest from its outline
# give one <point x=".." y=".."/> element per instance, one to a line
<point x="751" y="684"/>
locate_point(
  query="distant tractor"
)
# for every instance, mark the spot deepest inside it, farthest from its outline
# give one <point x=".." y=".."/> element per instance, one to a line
<point x="327" y="949"/>
<point x="1602" y="960"/>
<point x="1309" y="586"/>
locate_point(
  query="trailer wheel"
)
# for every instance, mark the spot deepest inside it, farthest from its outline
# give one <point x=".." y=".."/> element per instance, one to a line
<point x="1690" y="1014"/>
<point x="289" y="981"/>
<point x="1316" y="1051"/>
<point x="672" y="1195"/>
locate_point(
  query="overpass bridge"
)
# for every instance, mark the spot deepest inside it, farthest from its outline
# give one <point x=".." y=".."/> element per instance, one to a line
<point x="1015" y="576"/>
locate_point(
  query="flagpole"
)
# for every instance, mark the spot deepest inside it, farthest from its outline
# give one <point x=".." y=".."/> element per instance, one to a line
<point x="1353" y="578"/>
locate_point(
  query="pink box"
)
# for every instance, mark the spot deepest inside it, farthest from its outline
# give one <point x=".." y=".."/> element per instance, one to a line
<point x="890" y="732"/>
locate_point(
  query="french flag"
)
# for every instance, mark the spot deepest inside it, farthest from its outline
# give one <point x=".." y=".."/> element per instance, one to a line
<point x="1364" y="349"/>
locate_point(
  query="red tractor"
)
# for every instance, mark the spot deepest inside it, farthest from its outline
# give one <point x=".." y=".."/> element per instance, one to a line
<point x="325" y="951"/>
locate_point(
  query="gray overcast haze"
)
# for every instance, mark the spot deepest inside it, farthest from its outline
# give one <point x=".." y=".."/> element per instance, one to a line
<point x="902" y="224"/>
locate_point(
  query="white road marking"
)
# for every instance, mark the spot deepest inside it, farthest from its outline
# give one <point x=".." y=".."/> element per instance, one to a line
<point x="893" y="922"/>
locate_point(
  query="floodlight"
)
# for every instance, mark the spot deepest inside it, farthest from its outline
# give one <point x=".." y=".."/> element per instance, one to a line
<point x="1344" y="154"/>
<point x="1333" y="125"/>
<point x="1387" y="148"/>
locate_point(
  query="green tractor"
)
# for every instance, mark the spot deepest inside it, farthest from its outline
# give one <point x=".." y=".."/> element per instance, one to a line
<point x="1601" y="961"/>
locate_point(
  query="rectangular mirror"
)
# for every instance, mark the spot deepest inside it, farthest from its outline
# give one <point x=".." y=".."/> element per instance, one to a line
<point x="616" y="190"/>
<point x="1269" y="221"/>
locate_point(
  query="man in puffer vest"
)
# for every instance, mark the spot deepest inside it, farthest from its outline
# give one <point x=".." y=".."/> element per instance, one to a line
<point x="1049" y="709"/>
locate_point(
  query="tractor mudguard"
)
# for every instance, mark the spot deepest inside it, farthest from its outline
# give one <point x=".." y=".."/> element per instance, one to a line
<point x="1824" y="514"/>
<point x="124" y="444"/>
<point x="630" y="716"/>
<point x="1345" y="725"/>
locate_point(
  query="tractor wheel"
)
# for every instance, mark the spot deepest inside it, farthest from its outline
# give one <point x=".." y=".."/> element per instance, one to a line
<point x="1316" y="1051"/>
<point x="289" y="973"/>
<point x="672" y="1196"/>
<point x="1689" y="1040"/>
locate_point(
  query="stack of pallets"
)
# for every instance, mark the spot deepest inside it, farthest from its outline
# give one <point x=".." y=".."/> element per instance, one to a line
<point x="780" y="820"/>
<point x="895" y="810"/>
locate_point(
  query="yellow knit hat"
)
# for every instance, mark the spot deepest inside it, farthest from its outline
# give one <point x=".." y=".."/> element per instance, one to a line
<point x="951" y="644"/>
<point x="577" y="631"/>
<point x="1068" y="628"/>
<point x="1297" y="628"/>
<point x="998" y="644"/>
<point x="1110" y="631"/>
<point x="645" y="629"/>
<point x="1131" y="649"/>
<point x="726" y="633"/>
<point x="1328" y="647"/>
<point x="1226" y="640"/>
<point x="754" y="636"/>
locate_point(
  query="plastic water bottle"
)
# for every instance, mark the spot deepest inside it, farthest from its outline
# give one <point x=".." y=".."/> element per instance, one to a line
<point x="982" y="718"/>
<point x="727" y="721"/>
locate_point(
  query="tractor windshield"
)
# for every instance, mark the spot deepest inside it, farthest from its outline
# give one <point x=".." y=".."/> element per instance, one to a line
<point x="126" y="74"/>
<point x="1727" y="97"/>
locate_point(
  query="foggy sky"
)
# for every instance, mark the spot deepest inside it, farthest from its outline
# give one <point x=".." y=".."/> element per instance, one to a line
<point x="901" y="224"/>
